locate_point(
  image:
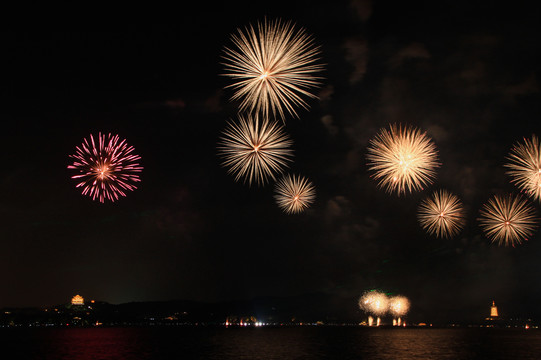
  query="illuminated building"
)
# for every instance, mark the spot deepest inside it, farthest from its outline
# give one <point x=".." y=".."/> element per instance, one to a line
<point x="77" y="300"/>
<point x="494" y="318"/>
<point x="493" y="310"/>
<point x="242" y="321"/>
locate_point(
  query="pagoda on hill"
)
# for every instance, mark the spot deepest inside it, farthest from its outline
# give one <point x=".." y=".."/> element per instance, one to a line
<point x="493" y="310"/>
<point x="77" y="300"/>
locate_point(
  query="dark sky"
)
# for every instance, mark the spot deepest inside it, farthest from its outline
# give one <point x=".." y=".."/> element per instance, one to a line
<point x="467" y="74"/>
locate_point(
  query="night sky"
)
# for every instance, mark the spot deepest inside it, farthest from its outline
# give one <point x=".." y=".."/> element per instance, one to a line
<point x="466" y="74"/>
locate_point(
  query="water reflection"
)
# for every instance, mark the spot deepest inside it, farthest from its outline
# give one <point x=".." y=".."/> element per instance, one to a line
<point x="307" y="342"/>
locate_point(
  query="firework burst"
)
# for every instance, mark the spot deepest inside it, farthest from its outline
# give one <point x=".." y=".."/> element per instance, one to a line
<point x="106" y="167"/>
<point x="525" y="166"/>
<point x="374" y="302"/>
<point x="294" y="193"/>
<point x="273" y="67"/>
<point x="399" y="305"/>
<point x="441" y="214"/>
<point x="402" y="159"/>
<point x="508" y="220"/>
<point x="255" y="150"/>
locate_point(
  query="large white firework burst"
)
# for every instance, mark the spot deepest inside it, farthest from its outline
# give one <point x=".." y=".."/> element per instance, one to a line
<point x="525" y="166"/>
<point x="402" y="159"/>
<point x="508" y="219"/>
<point x="399" y="305"/>
<point x="273" y="67"/>
<point x="294" y="193"/>
<point x="441" y="214"/>
<point x="374" y="302"/>
<point x="255" y="150"/>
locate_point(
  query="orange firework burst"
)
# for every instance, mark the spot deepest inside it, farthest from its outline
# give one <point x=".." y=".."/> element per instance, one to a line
<point x="374" y="302"/>
<point x="255" y="150"/>
<point x="294" y="193"/>
<point x="525" y="166"/>
<point x="441" y="214"/>
<point x="273" y="67"/>
<point x="399" y="305"/>
<point x="107" y="168"/>
<point x="402" y="159"/>
<point x="508" y="220"/>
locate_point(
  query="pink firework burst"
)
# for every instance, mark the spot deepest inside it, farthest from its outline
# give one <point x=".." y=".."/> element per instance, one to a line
<point x="106" y="167"/>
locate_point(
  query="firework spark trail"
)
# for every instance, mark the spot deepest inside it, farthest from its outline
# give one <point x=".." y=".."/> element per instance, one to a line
<point x="107" y="167"/>
<point x="441" y="214"/>
<point x="255" y="150"/>
<point x="399" y="305"/>
<point x="294" y="194"/>
<point x="402" y="159"/>
<point x="525" y="166"/>
<point x="272" y="67"/>
<point x="508" y="220"/>
<point x="374" y="302"/>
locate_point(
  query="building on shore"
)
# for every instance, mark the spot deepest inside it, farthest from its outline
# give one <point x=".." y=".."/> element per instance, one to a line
<point x="493" y="319"/>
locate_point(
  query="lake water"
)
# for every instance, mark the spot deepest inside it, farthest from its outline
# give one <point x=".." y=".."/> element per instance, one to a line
<point x="306" y="342"/>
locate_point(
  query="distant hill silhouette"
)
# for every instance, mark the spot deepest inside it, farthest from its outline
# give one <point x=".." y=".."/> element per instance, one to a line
<point x="306" y="308"/>
<point x="320" y="308"/>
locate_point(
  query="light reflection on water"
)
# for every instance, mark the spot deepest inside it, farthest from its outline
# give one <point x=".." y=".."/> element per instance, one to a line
<point x="270" y="343"/>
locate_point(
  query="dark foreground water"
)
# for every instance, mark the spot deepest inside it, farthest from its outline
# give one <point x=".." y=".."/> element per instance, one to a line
<point x="269" y="343"/>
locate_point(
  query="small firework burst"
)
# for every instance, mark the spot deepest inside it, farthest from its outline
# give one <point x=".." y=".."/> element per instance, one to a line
<point x="399" y="305"/>
<point x="525" y="166"/>
<point x="106" y="168"/>
<point x="402" y="159"/>
<point x="273" y="67"/>
<point x="374" y="302"/>
<point x="255" y="150"/>
<point x="294" y="193"/>
<point x="441" y="214"/>
<point x="508" y="220"/>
